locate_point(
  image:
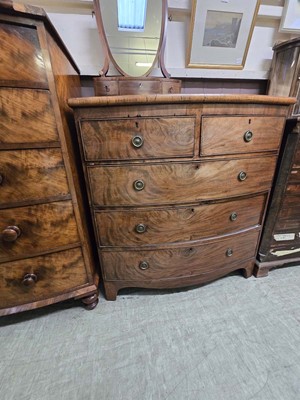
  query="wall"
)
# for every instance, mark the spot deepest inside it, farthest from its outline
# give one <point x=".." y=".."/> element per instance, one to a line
<point x="77" y="27"/>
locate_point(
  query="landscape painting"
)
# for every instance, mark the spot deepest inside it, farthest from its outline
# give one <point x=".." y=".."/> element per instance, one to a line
<point x="222" y="29"/>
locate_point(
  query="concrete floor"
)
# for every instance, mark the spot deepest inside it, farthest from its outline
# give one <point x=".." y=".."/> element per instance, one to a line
<point x="233" y="339"/>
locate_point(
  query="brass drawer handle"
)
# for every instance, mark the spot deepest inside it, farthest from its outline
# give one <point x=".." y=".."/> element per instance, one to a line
<point x="248" y="136"/>
<point x="11" y="233"/>
<point x="229" y="252"/>
<point x="137" y="141"/>
<point x="29" y="280"/>
<point x="143" y="265"/>
<point x="242" y="176"/>
<point x="1" y="179"/>
<point x="140" y="228"/>
<point x="138" y="185"/>
<point x="233" y="216"/>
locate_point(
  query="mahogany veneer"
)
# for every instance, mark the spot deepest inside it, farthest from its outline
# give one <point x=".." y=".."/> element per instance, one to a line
<point x="178" y="185"/>
<point x="45" y="252"/>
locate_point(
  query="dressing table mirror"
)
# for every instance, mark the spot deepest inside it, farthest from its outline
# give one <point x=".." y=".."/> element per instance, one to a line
<point x="133" y="37"/>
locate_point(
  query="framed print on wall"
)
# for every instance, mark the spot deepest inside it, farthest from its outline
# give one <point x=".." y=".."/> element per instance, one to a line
<point x="290" y="21"/>
<point x="220" y="33"/>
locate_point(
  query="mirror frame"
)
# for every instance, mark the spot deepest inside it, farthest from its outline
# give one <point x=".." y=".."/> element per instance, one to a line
<point x="108" y="54"/>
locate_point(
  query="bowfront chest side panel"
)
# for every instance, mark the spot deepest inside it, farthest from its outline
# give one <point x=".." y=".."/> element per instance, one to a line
<point x="45" y="253"/>
<point x="178" y="185"/>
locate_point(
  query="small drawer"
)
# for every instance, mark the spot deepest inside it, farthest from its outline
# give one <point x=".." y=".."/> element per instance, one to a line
<point x="31" y="175"/>
<point x="231" y="135"/>
<point x="26" y="117"/>
<point x="177" y="224"/>
<point x="39" y="278"/>
<point x="21" y="56"/>
<point x="179" y="262"/>
<point x="138" y="138"/>
<point x="175" y="183"/>
<point x="38" y="228"/>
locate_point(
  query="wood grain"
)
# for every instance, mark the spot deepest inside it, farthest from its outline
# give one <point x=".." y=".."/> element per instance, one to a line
<point x="32" y="175"/>
<point x="162" y="138"/>
<point x="21" y="56"/>
<point x="181" y="262"/>
<point x="173" y="183"/>
<point x="43" y="227"/>
<point x="177" y="99"/>
<point x="177" y="224"/>
<point x="26" y="116"/>
<point x="56" y="273"/>
<point x="225" y="135"/>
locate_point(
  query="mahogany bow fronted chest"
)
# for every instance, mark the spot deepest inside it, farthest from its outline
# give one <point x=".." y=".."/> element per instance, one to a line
<point x="45" y="255"/>
<point x="178" y="184"/>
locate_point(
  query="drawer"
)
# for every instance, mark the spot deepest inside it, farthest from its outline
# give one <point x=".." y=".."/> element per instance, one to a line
<point x="38" y="228"/>
<point x="21" y="56"/>
<point x="39" y="278"/>
<point x="178" y="182"/>
<point x="177" y="224"/>
<point x="138" y="138"/>
<point x="179" y="262"/>
<point x="31" y="175"/>
<point x="26" y="116"/>
<point x="231" y="135"/>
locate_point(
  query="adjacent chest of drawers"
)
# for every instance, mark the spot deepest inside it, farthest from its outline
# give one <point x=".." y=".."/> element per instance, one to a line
<point x="44" y="248"/>
<point x="178" y="185"/>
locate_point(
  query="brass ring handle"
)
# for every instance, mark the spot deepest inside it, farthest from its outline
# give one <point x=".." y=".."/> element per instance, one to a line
<point x="137" y="141"/>
<point x="233" y="216"/>
<point x="242" y="176"/>
<point x="11" y="233"/>
<point x="138" y="185"/>
<point x="248" y="136"/>
<point x="143" y="265"/>
<point x="140" y="228"/>
<point x="229" y="252"/>
<point x="1" y="179"/>
<point x="29" y="280"/>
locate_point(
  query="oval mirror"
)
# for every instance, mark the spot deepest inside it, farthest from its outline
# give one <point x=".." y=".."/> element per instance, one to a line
<point x="132" y="33"/>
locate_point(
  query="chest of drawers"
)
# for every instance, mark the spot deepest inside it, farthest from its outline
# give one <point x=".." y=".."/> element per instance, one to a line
<point x="178" y="185"/>
<point x="45" y="255"/>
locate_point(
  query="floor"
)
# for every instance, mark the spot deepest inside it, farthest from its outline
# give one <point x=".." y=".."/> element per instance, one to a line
<point x="233" y="339"/>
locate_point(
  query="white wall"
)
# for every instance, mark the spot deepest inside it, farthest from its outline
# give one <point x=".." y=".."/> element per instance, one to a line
<point x="74" y="22"/>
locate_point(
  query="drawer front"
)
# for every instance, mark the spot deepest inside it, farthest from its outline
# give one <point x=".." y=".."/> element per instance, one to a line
<point x="30" y="175"/>
<point x="231" y="135"/>
<point x="138" y="138"/>
<point x="180" y="262"/>
<point x="39" y="278"/>
<point x="26" y="116"/>
<point x="21" y="56"/>
<point x="179" y="182"/>
<point x="38" y="228"/>
<point x="177" y="224"/>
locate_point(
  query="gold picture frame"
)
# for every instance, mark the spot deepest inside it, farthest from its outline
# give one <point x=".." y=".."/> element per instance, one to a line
<point x="220" y="33"/>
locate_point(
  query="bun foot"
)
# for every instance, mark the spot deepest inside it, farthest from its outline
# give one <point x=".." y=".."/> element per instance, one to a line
<point x="90" y="302"/>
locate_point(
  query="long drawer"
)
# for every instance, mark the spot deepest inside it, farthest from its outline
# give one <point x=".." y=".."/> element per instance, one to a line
<point x="232" y="135"/>
<point x="177" y="224"/>
<point x="43" y="277"/>
<point x="31" y="175"/>
<point x="179" y="262"/>
<point x="178" y="182"/>
<point x="137" y="138"/>
<point x="37" y="228"/>
<point x="21" y="56"/>
<point x="26" y="116"/>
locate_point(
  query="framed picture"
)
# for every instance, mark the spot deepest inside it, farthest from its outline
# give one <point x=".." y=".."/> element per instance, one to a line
<point x="220" y="33"/>
<point x="290" y="21"/>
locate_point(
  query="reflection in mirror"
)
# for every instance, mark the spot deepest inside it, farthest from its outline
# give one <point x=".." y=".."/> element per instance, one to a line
<point x="133" y="34"/>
